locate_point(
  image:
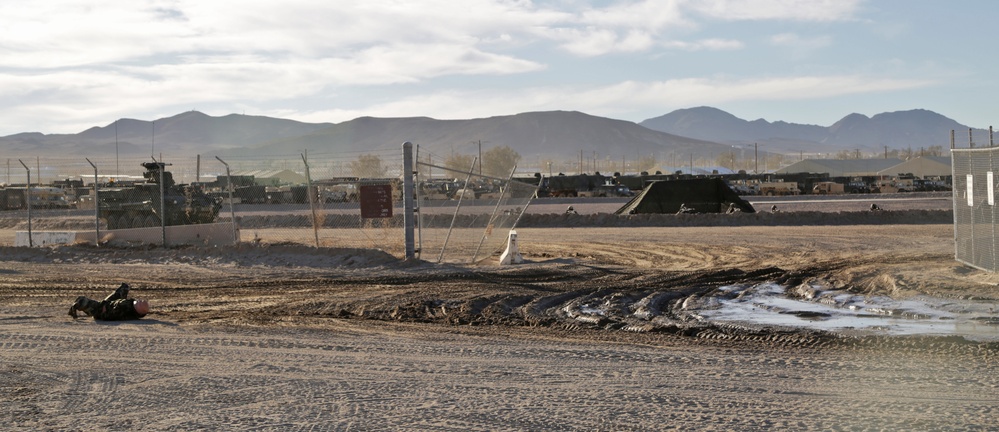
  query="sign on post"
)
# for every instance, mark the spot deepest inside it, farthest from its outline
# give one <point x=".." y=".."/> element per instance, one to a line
<point x="376" y="201"/>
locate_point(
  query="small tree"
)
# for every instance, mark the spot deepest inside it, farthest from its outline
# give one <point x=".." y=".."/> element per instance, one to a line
<point x="498" y="161"/>
<point x="647" y="163"/>
<point x="367" y="166"/>
<point x="727" y="160"/>
<point x="459" y="162"/>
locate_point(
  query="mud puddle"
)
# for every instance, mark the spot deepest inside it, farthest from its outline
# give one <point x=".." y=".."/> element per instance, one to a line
<point x="769" y="304"/>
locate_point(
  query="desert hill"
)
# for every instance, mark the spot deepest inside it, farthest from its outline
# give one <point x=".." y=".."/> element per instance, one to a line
<point x="898" y="130"/>
<point x="701" y="133"/>
<point x="556" y="134"/>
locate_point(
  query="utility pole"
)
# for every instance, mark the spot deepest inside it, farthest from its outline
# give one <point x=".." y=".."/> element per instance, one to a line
<point x="117" y="171"/>
<point x="756" y="153"/>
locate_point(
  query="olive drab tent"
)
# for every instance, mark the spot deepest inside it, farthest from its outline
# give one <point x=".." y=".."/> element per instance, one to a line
<point x="711" y="195"/>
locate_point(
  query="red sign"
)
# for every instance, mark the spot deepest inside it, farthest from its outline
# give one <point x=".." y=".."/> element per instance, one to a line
<point x="376" y="201"/>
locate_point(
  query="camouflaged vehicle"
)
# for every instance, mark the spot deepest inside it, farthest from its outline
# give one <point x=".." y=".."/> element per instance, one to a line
<point x="139" y="205"/>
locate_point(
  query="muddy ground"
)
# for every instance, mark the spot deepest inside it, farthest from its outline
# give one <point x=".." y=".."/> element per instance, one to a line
<point x="284" y="337"/>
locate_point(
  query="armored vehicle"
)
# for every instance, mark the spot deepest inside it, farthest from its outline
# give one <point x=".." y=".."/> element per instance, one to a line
<point x="139" y="205"/>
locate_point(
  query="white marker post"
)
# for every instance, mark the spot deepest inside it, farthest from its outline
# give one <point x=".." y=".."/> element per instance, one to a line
<point x="511" y="255"/>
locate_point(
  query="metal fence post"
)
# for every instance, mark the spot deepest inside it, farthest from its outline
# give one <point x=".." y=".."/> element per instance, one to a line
<point x="232" y="211"/>
<point x="27" y="200"/>
<point x="97" y="208"/>
<point x="408" y="190"/>
<point x="163" y="213"/>
<point x="312" y="199"/>
<point x="418" y="224"/>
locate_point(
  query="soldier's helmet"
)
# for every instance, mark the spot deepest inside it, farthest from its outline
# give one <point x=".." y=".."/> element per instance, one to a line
<point x="141" y="307"/>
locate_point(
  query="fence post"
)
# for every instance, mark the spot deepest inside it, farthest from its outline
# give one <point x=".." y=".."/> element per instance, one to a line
<point x="408" y="191"/>
<point x="418" y="225"/>
<point x="27" y="200"/>
<point x="97" y="208"/>
<point x="232" y="211"/>
<point x="312" y="198"/>
<point x="163" y="213"/>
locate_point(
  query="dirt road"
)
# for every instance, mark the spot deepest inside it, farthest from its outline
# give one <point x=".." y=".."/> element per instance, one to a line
<point x="294" y="338"/>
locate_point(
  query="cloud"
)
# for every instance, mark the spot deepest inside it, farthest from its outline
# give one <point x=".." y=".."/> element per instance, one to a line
<point x="637" y="26"/>
<point x="71" y="63"/>
<point x="790" y="10"/>
<point x="792" y="40"/>
<point x="706" y="44"/>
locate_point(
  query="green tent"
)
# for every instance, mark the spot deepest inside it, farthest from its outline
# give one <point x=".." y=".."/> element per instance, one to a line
<point x="711" y="195"/>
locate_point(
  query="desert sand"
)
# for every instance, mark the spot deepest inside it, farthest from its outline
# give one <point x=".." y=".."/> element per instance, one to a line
<point x="283" y="337"/>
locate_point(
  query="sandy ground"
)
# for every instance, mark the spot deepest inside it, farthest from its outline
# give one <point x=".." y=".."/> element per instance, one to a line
<point x="270" y="337"/>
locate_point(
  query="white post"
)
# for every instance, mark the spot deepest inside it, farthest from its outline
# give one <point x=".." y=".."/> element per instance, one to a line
<point x="511" y="255"/>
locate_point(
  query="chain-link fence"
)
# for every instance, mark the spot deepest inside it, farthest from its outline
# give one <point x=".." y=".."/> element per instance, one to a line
<point x="466" y="216"/>
<point x="346" y="200"/>
<point x="975" y="207"/>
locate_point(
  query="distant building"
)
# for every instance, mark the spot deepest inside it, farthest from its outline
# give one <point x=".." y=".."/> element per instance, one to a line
<point x="697" y="170"/>
<point x="273" y="177"/>
<point x="922" y="167"/>
<point x="841" y="167"/>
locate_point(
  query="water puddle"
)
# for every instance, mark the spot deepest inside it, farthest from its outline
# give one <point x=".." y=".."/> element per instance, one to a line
<point x="842" y="312"/>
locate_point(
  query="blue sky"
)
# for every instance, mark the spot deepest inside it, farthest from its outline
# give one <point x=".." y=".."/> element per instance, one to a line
<point x="68" y="65"/>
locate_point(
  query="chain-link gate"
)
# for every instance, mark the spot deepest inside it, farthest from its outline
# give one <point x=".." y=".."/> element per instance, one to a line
<point x="466" y="216"/>
<point x="974" y="171"/>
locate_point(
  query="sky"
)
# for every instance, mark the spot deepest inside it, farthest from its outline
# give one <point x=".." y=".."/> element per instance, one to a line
<point x="68" y="65"/>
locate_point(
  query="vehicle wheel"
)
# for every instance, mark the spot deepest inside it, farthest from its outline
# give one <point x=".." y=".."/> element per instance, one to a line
<point x="138" y="222"/>
<point x="152" y="221"/>
<point x="112" y="222"/>
<point x="124" y="222"/>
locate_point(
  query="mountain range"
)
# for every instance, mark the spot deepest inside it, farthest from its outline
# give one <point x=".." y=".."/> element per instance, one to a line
<point x="912" y="129"/>
<point x="701" y="132"/>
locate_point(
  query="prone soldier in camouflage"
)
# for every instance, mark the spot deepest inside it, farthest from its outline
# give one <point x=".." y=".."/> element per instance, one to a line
<point x="115" y="307"/>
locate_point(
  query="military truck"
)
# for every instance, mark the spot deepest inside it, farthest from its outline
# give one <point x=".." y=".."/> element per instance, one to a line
<point x="140" y="205"/>
<point x="779" y="188"/>
<point x="826" y="188"/>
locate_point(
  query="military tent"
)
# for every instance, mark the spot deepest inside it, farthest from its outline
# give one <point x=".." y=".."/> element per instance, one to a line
<point x="711" y="195"/>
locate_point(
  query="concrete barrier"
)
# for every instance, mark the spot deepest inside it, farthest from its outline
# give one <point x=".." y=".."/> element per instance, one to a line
<point x="216" y="234"/>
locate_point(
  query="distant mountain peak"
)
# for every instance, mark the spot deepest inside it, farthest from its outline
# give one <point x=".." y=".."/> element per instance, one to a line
<point x="899" y="129"/>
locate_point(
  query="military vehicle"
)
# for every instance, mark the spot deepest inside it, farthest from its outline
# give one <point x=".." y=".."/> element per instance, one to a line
<point x="139" y="205"/>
